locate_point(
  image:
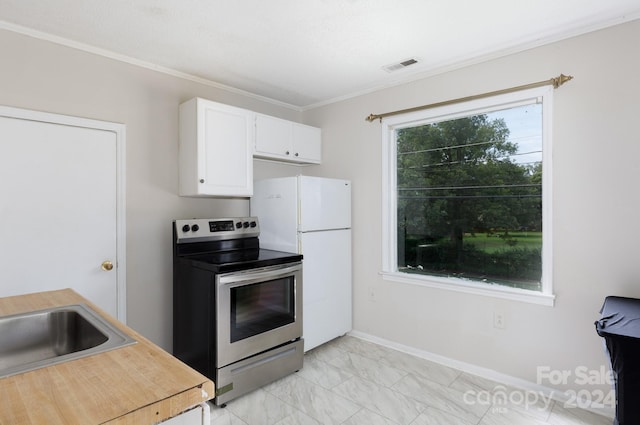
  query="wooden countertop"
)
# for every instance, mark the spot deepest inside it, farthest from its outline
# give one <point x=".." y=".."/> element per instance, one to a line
<point x="138" y="384"/>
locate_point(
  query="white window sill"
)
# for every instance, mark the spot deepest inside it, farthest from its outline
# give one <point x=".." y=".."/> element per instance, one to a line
<point x="470" y="287"/>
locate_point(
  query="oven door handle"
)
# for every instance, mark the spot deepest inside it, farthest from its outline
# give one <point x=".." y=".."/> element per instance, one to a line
<point x="259" y="274"/>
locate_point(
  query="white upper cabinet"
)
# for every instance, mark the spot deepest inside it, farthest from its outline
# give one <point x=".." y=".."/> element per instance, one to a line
<point x="216" y="149"/>
<point x="283" y="140"/>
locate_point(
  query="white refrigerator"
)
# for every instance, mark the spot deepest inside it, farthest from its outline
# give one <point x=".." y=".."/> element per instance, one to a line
<point x="312" y="216"/>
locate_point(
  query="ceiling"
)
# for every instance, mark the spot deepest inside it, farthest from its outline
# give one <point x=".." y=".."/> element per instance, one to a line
<point x="305" y="53"/>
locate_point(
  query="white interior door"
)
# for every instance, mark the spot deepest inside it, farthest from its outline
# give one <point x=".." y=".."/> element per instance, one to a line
<point x="60" y="208"/>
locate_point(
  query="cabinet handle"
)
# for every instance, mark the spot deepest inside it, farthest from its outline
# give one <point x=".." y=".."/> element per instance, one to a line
<point x="296" y="153"/>
<point x="201" y="180"/>
<point x="287" y="153"/>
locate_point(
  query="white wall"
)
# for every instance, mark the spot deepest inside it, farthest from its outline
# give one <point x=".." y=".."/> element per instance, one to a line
<point x="596" y="230"/>
<point x="43" y="76"/>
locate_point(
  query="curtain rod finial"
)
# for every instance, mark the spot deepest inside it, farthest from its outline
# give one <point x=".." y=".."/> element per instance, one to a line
<point x="373" y="117"/>
<point x="558" y="81"/>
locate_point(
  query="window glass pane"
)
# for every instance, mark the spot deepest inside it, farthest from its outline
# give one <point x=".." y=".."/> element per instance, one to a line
<point x="470" y="197"/>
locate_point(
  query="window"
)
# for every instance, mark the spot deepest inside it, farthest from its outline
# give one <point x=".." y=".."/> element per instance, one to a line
<point x="467" y="196"/>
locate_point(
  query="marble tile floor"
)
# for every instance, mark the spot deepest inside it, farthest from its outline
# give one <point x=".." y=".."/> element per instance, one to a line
<point x="350" y="381"/>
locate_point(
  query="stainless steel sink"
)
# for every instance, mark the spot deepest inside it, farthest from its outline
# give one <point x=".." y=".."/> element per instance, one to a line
<point x="43" y="338"/>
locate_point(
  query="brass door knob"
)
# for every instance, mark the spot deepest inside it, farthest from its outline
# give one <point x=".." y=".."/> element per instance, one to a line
<point x="107" y="265"/>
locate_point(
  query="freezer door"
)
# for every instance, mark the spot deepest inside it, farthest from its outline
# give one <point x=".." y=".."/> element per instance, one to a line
<point x="326" y="277"/>
<point x="324" y="203"/>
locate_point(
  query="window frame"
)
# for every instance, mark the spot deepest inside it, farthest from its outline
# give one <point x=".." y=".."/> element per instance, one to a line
<point x="389" y="194"/>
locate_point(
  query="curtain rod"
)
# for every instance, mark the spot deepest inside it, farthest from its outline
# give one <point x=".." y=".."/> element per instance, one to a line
<point x="556" y="82"/>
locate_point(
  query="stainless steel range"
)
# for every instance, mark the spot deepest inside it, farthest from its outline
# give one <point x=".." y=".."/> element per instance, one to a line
<point x="237" y="309"/>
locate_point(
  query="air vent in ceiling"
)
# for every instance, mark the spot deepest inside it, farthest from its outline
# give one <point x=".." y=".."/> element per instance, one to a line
<point x="400" y="65"/>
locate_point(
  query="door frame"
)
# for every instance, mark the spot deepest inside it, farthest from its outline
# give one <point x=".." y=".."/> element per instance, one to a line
<point x="120" y="132"/>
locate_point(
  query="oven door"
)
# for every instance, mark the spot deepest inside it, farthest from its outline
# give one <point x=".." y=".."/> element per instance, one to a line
<point x="257" y="310"/>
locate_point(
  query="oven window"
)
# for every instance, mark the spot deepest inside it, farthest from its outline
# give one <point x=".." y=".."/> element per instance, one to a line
<point x="261" y="307"/>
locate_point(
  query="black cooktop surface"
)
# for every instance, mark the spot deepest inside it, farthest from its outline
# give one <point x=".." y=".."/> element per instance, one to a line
<point x="229" y="261"/>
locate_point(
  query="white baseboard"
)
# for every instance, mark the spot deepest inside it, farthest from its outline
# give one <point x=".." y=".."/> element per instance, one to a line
<point x="555" y="394"/>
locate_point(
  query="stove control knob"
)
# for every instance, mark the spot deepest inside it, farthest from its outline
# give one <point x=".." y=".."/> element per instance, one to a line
<point x="239" y="225"/>
<point x="186" y="228"/>
<point x="253" y="224"/>
<point x="245" y="224"/>
<point x="195" y="227"/>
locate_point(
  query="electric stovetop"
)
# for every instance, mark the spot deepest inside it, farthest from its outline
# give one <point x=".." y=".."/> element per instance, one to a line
<point x="222" y="262"/>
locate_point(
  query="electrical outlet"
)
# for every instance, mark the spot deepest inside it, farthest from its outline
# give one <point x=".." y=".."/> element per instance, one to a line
<point x="372" y="294"/>
<point x="498" y="320"/>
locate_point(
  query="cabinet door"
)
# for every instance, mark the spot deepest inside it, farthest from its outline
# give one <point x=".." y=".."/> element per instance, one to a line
<point x="307" y="145"/>
<point x="273" y="137"/>
<point x="216" y="149"/>
<point x="226" y="146"/>
<point x="200" y="415"/>
<point x="289" y="141"/>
